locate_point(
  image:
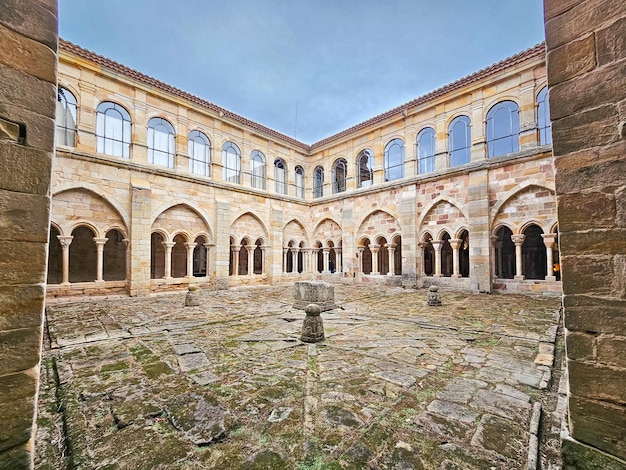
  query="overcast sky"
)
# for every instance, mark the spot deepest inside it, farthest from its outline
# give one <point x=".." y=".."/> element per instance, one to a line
<point x="335" y="62"/>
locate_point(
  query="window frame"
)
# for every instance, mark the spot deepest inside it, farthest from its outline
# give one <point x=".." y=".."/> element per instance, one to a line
<point x="197" y="163"/>
<point x="369" y="168"/>
<point x="543" y="114"/>
<point x="426" y="163"/>
<point x="231" y="174"/>
<point x="280" y="176"/>
<point x="299" y="172"/>
<point x="318" y="182"/>
<point x="339" y="183"/>
<point x="257" y="173"/>
<point x="388" y="167"/>
<point x="66" y="108"/>
<point x="498" y="145"/>
<point x="464" y="151"/>
<point x="106" y="139"/>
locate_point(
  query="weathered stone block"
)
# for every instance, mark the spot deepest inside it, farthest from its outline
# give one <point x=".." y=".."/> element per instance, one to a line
<point x="16" y="458"/>
<point x="24" y="169"/>
<point x="612" y="350"/>
<point x="28" y="56"/>
<point x="24" y="217"/>
<point x="597" y="242"/>
<point x="591" y="168"/>
<point x="22" y="89"/>
<point x="585" y="211"/>
<point x="572" y="59"/>
<point x="587" y="274"/>
<point x="13" y="269"/>
<point x="22" y="306"/>
<point x="584" y="457"/>
<point x="594" y="315"/>
<point x="580" y="346"/>
<point x="600" y="86"/>
<point x="596" y="381"/>
<point x="39" y="128"/>
<point x="592" y="128"/>
<point x="314" y="292"/>
<point x="16" y="408"/>
<point x="34" y="19"/>
<point x="599" y="424"/>
<point x="19" y="349"/>
<point x="611" y="42"/>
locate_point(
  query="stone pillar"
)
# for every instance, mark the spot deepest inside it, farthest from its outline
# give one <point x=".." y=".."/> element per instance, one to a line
<point x="360" y="251"/>
<point x="519" y="241"/>
<point x="294" y="260"/>
<point x="375" y="249"/>
<point x="209" y="255"/>
<point x="250" y="249"/>
<point x="126" y="242"/>
<point x="190" y="247"/>
<point x="455" y="244"/>
<point x="548" y="241"/>
<point x="437" y="244"/>
<point x="326" y="269"/>
<point x="339" y="260"/>
<point x="168" y="259"/>
<point x="27" y="111"/>
<point x="586" y="54"/>
<point x="264" y="258"/>
<point x="99" y="257"/>
<point x="391" y="250"/>
<point x="65" y="242"/>
<point x="285" y="254"/>
<point x="497" y="256"/>
<point x="235" y="250"/>
<point x="140" y="236"/>
<point x="421" y="246"/>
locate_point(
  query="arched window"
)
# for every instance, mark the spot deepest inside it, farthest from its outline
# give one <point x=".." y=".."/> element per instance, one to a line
<point x="300" y="182"/>
<point x="459" y="140"/>
<point x="464" y="264"/>
<point x="243" y="258"/>
<point x="179" y="256"/>
<point x="504" y="254"/>
<point x="257" y="169"/>
<point x="280" y="176"/>
<point x="200" y="258"/>
<point x="543" y="117"/>
<point x="428" y="255"/>
<point x="160" y="142"/>
<point x="114" y="257"/>
<point x="157" y="256"/>
<point x="394" y="160"/>
<point x="503" y="129"/>
<point x="365" y="165"/>
<point x="66" y="118"/>
<point x="258" y="263"/>
<point x="446" y="256"/>
<point x="397" y="256"/>
<point x="83" y="258"/>
<point x="55" y="257"/>
<point x="199" y="149"/>
<point x="366" y="262"/>
<point x="533" y="254"/>
<point x="318" y="181"/>
<point x="426" y="150"/>
<point x="113" y="130"/>
<point x="339" y="175"/>
<point x="231" y="162"/>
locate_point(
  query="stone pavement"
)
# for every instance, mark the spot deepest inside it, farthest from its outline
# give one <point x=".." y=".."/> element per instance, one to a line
<point x="148" y="383"/>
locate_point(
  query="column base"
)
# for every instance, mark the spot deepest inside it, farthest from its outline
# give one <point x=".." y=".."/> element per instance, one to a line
<point x="99" y="283"/>
<point x="437" y="275"/>
<point x="550" y="278"/>
<point x="519" y="278"/>
<point x="456" y="276"/>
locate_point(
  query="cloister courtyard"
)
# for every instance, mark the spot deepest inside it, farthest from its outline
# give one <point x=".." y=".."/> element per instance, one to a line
<point x="144" y="383"/>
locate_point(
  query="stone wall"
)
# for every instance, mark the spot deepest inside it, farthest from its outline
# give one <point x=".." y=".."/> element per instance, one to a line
<point x="28" y="63"/>
<point x="586" y="42"/>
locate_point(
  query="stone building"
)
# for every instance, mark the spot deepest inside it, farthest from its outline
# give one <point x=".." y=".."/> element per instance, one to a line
<point x="155" y="189"/>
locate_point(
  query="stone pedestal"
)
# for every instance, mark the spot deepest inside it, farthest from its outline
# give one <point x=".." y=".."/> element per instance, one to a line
<point x="192" y="299"/>
<point x="314" y="292"/>
<point x="434" y="299"/>
<point x="312" y="328"/>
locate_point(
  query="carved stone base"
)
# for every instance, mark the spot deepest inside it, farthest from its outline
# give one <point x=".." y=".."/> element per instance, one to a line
<point x="312" y="328"/>
<point x="314" y="292"/>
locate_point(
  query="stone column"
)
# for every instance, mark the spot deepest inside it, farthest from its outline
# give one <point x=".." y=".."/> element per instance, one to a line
<point x="519" y="241"/>
<point x="126" y="242"/>
<point x="326" y="252"/>
<point x="455" y="244"/>
<point x="263" y="258"/>
<point x="99" y="257"/>
<point x="496" y="260"/>
<point x="168" y="259"/>
<point x="190" y="247"/>
<point x="437" y="244"/>
<point x="235" y="250"/>
<point x="208" y="247"/>
<point x="548" y="241"/>
<point x="250" y="249"/>
<point x="294" y="260"/>
<point x="360" y="250"/>
<point x="375" y="249"/>
<point x="65" y="241"/>
<point x="391" y="250"/>
<point x="421" y="246"/>
<point x="339" y="267"/>
<point x="285" y="254"/>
